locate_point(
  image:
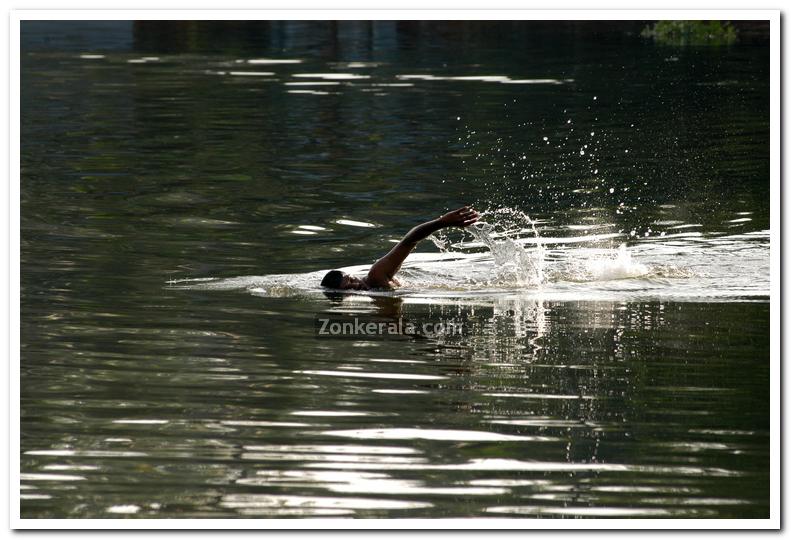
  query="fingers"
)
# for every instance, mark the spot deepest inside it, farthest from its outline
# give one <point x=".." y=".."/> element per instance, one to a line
<point x="468" y="222"/>
<point x="468" y="217"/>
<point x="463" y="217"/>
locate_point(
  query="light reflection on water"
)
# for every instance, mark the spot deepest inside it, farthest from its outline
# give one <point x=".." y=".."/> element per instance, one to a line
<point x="625" y="384"/>
<point x="570" y="407"/>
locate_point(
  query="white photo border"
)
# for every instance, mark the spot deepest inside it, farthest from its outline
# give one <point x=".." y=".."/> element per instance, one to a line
<point x="13" y="278"/>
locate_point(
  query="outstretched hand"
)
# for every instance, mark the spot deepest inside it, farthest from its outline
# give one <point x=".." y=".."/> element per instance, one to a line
<point x="462" y="217"/>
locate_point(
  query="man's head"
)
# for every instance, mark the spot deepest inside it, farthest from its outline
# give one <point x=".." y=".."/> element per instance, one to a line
<point x="335" y="279"/>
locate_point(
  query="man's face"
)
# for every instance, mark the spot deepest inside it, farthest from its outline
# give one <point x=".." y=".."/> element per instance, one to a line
<point x="351" y="282"/>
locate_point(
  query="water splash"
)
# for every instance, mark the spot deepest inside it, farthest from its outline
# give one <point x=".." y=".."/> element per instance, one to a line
<point x="504" y="257"/>
<point x="604" y="266"/>
<point x="503" y="231"/>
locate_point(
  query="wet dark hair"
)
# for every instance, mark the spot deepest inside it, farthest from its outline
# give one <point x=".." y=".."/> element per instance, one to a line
<point x="333" y="279"/>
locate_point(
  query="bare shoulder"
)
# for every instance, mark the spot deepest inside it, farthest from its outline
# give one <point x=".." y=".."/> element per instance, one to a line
<point x="377" y="278"/>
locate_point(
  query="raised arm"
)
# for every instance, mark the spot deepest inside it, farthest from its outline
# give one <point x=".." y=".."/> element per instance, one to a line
<point x="383" y="270"/>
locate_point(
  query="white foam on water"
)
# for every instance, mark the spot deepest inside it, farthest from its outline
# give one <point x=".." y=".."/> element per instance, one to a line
<point x="503" y="257"/>
<point x="604" y="265"/>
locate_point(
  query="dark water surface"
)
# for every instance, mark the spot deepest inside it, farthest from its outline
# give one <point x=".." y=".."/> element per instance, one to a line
<point x="157" y="151"/>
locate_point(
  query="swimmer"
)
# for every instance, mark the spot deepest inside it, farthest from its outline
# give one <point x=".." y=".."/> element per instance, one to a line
<point x="382" y="273"/>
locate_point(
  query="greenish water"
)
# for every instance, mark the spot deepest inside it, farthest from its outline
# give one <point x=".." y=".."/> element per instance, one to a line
<point x="181" y="194"/>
